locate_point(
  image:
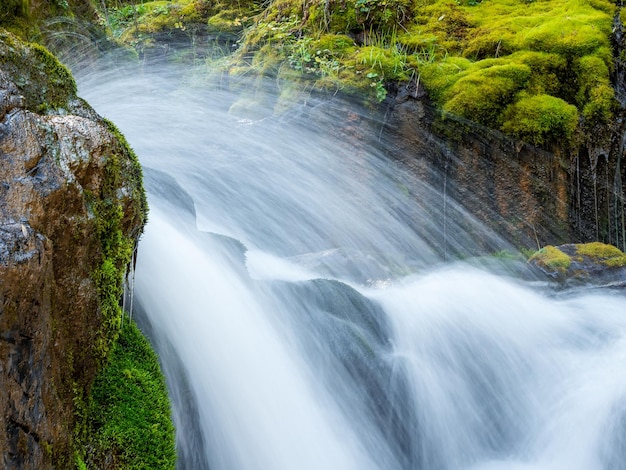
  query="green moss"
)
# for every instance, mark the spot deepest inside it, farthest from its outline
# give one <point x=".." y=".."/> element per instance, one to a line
<point x="548" y="71"/>
<point x="540" y="118"/>
<point x="131" y="171"/>
<point x="129" y="415"/>
<point x="12" y="10"/>
<point x="137" y="23"/>
<point x="443" y="23"/>
<point x="387" y="62"/>
<point x="567" y="27"/>
<point x="475" y="58"/>
<point x="39" y="76"/>
<point x="80" y="463"/>
<point x="122" y="169"/>
<point x="595" y="95"/>
<point x="485" y="89"/>
<point x="552" y="258"/>
<point x="608" y="255"/>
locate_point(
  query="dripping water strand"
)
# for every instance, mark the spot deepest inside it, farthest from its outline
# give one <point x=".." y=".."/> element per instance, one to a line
<point x="129" y="287"/>
<point x="608" y="202"/>
<point x="445" y="206"/>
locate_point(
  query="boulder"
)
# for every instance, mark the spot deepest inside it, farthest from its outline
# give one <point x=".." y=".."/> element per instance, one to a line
<point x="587" y="263"/>
<point x="71" y="208"/>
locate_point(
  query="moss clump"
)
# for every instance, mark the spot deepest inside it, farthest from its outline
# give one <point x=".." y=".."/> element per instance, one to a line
<point x="540" y="118"/>
<point x="39" y="76"/>
<point x="481" y="93"/>
<point x="129" y="412"/>
<point x="566" y="44"/>
<point x="595" y="96"/>
<point x="607" y="255"/>
<point x="552" y="259"/>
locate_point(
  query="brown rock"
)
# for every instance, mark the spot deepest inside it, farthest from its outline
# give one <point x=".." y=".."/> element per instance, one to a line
<point x="54" y="169"/>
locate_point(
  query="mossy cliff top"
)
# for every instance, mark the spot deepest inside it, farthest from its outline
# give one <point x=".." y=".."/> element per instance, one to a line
<point x="533" y="69"/>
<point x="538" y="70"/>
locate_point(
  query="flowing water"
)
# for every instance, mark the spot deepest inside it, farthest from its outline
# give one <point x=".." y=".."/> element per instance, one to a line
<point x="299" y="293"/>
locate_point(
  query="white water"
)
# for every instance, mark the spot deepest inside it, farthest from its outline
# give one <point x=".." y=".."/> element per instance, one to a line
<point x="451" y="367"/>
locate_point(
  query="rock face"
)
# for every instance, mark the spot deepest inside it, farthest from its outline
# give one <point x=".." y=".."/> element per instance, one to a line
<point x="532" y="196"/>
<point x="71" y="206"/>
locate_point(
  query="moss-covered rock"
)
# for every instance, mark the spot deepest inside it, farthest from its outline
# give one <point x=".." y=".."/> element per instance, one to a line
<point x="582" y="263"/>
<point x="72" y="207"/>
<point x="551" y="260"/>
<point x="474" y="58"/>
<point x="540" y="118"/>
<point x="42" y="80"/>
<point x="129" y="423"/>
<point x="151" y="24"/>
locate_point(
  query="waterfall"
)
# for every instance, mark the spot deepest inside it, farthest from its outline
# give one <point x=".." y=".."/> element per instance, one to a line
<point x="300" y="294"/>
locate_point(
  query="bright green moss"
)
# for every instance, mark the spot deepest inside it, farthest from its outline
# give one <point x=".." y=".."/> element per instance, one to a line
<point x="116" y="251"/>
<point x="565" y="43"/>
<point x="340" y="45"/>
<point x="567" y="27"/>
<point x="540" y="118"/>
<point x="603" y="253"/>
<point x="129" y="412"/>
<point x="442" y="23"/>
<point x="121" y="170"/>
<point x="481" y="94"/>
<point x="439" y="76"/>
<point x="548" y="71"/>
<point x="595" y="95"/>
<point x="475" y="58"/>
<point x="552" y="258"/>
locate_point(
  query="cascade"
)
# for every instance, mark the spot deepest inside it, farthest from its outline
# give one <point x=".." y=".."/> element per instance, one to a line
<point x="302" y="300"/>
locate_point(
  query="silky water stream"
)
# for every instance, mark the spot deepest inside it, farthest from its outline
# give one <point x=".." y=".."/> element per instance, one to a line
<point x="299" y="296"/>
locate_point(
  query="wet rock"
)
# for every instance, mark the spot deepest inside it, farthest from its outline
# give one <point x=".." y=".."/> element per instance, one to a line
<point x="588" y="263"/>
<point x="56" y="165"/>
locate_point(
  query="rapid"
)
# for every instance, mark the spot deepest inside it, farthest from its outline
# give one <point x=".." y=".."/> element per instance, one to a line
<point x="313" y="311"/>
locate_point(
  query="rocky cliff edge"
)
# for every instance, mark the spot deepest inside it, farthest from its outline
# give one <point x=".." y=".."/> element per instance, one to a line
<point x="71" y="209"/>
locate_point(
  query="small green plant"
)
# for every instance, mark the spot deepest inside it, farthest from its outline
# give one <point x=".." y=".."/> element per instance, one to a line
<point x="381" y="13"/>
<point x="378" y="86"/>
